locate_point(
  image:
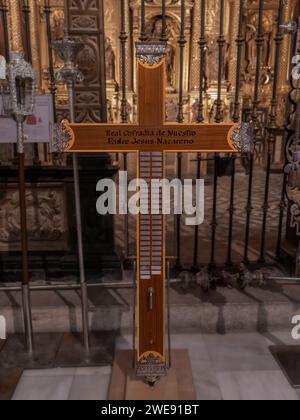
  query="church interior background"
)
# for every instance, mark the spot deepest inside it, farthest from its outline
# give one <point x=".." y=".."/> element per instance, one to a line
<point x="252" y="213"/>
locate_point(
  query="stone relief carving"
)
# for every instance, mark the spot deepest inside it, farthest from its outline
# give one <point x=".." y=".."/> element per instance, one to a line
<point x="84" y="20"/>
<point x="250" y="48"/>
<point x="212" y="49"/>
<point x="87" y="62"/>
<point x="194" y="110"/>
<point x="154" y="33"/>
<point x="250" y="51"/>
<point x="212" y="60"/>
<point x="170" y="63"/>
<point x="46" y="218"/>
<point x="110" y="112"/>
<point x="212" y="17"/>
<point x="57" y="23"/>
<point x="172" y="109"/>
<point x="110" y="61"/>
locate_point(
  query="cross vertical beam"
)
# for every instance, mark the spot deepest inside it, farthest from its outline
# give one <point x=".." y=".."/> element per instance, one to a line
<point x="151" y="359"/>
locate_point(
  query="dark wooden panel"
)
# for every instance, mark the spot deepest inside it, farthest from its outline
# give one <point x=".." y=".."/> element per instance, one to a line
<point x="189" y="138"/>
<point x="151" y="260"/>
<point x="151" y="88"/>
<point x="9" y="379"/>
<point x="84" y="21"/>
<point x="178" y="385"/>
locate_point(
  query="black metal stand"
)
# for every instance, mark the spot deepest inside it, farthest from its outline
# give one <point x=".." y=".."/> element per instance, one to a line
<point x="72" y="350"/>
<point x="14" y="354"/>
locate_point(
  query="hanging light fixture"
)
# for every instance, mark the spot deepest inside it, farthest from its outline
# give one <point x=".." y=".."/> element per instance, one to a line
<point x="18" y="92"/>
<point x="21" y="78"/>
<point x="17" y="87"/>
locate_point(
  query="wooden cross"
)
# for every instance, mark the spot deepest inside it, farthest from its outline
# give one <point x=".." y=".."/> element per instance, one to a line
<point x="151" y="139"/>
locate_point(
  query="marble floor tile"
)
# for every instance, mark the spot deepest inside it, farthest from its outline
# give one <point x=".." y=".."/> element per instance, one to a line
<point x="255" y="385"/>
<point x="275" y="338"/>
<point x="238" y="352"/>
<point x="94" y="370"/>
<point x="124" y="342"/>
<point x="206" y="383"/>
<point x="89" y="387"/>
<point x="44" y="388"/>
<point x="49" y="372"/>
<point x="230" y="367"/>
<point x="194" y="343"/>
<point x="204" y="376"/>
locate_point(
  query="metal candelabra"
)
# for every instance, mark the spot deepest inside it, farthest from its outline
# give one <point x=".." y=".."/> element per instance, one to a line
<point x="68" y="48"/>
<point x="18" y="94"/>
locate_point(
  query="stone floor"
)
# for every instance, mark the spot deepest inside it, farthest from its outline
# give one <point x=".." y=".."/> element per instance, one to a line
<point x="259" y="309"/>
<point x="225" y="367"/>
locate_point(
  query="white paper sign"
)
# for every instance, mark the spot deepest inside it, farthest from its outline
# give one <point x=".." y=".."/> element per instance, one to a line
<point x="37" y="127"/>
<point x="2" y="328"/>
<point x="2" y="68"/>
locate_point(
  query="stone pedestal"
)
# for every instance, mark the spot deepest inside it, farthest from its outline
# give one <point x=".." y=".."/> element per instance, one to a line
<point x="177" y="385"/>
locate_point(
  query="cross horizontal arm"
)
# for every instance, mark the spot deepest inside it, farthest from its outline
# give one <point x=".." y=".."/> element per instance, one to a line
<point x="168" y="137"/>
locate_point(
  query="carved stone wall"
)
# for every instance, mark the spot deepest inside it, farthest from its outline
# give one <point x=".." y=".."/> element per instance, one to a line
<point x="83" y="20"/>
<point x="46" y="217"/>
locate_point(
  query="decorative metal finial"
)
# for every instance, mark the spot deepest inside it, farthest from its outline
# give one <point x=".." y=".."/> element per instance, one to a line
<point x="19" y="69"/>
<point x="18" y="92"/>
<point x="151" y="53"/>
<point x="68" y="48"/>
<point x="289" y="27"/>
<point x="242" y="138"/>
<point x="62" y="137"/>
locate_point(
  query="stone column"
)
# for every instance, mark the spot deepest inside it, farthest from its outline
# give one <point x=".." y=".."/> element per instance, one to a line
<point x="187" y="34"/>
<point x="233" y="34"/>
<point x="128" y="48"/>
<point x="15" y="25"/>
<point x="284" y="66"/>
<point x="135" y="10"/>
<point x="283" y="76"/>
<point x="195" y="53"/>
<point x="34" y="37"/>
